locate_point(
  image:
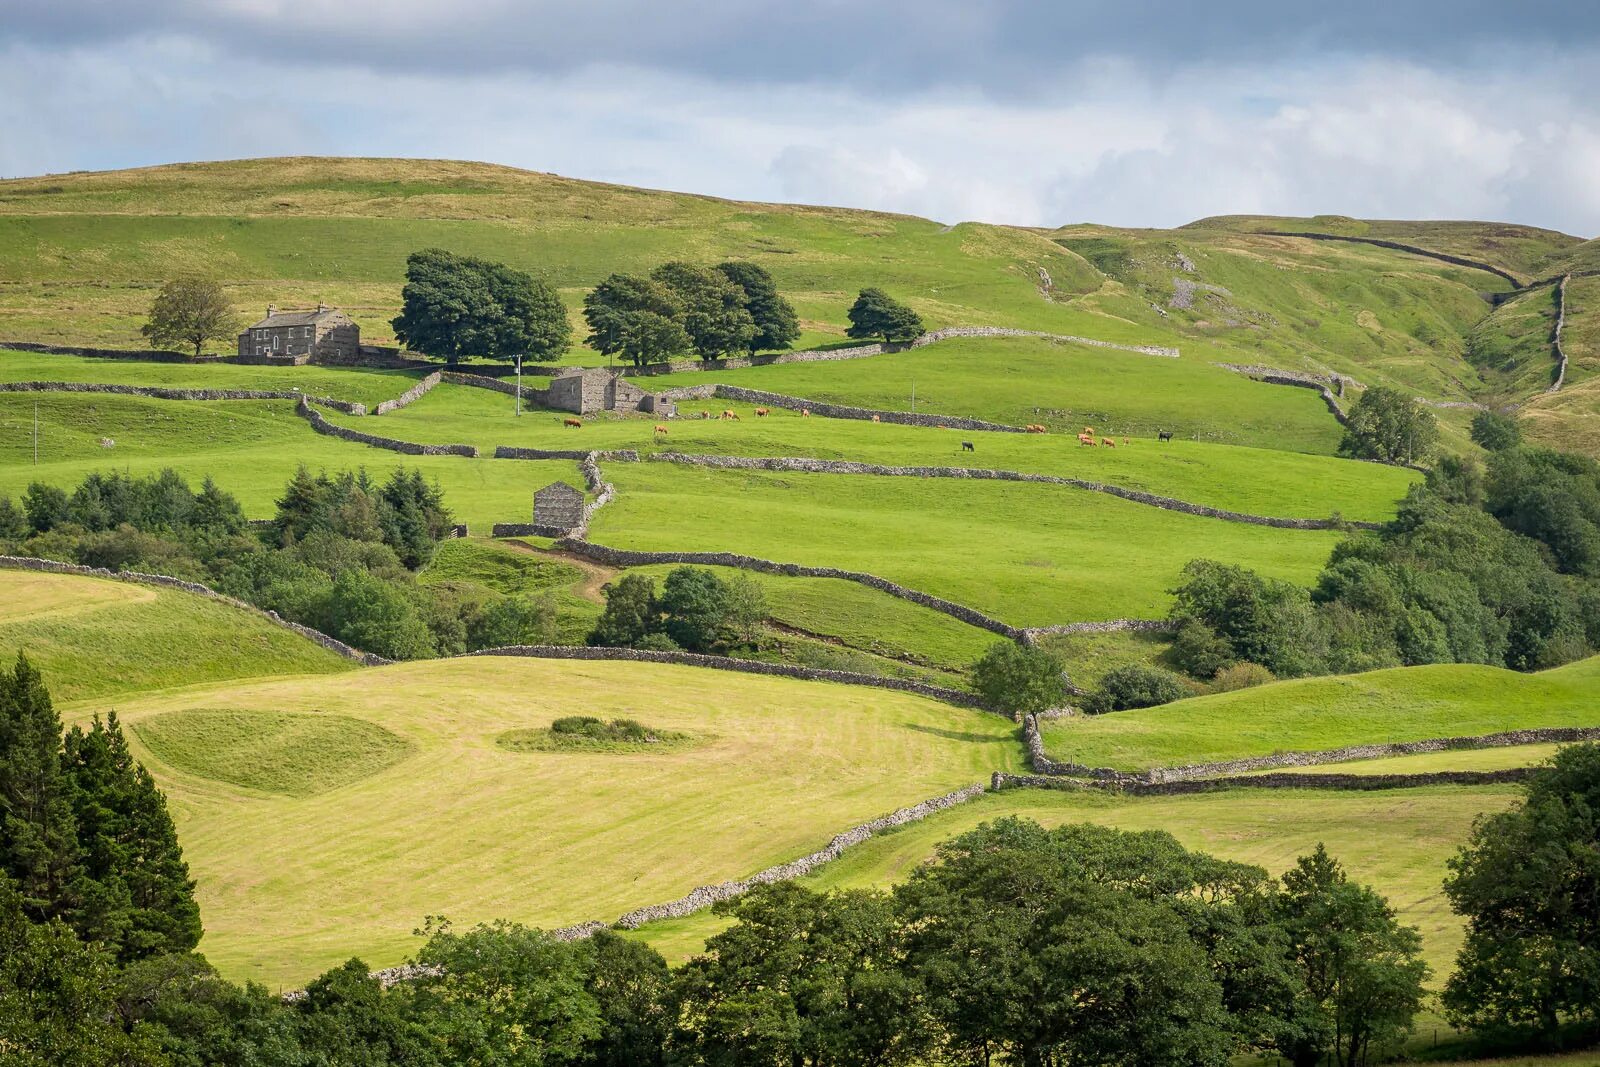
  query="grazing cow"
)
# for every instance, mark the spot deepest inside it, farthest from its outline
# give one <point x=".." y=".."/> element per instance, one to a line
<point x="1088" y="431"/>
<point x="1086" y="439"/>
<point x="661" y="431"/>
<point x="966" y="446"/>
<point x="805" y="413"/>
<point x="705" y="414"/>
<point x="730" y="415"/>
<point x="1164" y="435"/>
<point x="762" y="413"/>
<point x="573" y="422"/>
<point x="1109" y="442"/>
<point x="875" y="418"/>
<point x="1036" y="427"/>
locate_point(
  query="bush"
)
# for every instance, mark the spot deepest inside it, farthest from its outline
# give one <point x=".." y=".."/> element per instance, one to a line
<point x="1198" y="651"/>
<point x="1241" y="676"/>
<point x="1020" y="680"/>
<point x="657" y="642"/>
<point x="1495" y="432"/>
<point x="1135" y="685"/>
<point x="520" y="620"/>
<point x="695" y="602"/>
<point x="631" y="612"/>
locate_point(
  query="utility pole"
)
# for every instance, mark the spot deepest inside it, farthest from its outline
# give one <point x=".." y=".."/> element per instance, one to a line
<point x="913" y="396"/>
<point x="518" y="358"/>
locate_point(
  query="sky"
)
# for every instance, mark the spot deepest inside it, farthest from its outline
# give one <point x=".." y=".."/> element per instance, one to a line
<point x="1133" y="112"/>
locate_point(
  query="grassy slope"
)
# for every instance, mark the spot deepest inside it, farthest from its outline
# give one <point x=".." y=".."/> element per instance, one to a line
<point x="251" y="448"/>
<point x="1397" y="841"/>
<point x="97" y="640"/>
<point x="1257" y="480"/>
<point x="1403" y="704"/>
<point x="291" y="885"/>
<point x="1570" y="419"/>
<point x="1031" y="554"/>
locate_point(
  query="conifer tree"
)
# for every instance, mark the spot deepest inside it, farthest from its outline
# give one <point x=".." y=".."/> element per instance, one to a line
<point x="38" y="837"/>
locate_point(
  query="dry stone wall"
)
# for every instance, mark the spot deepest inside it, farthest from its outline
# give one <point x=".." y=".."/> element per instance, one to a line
<point x="1444" y="257"/>
<point x="622" y="557"/>
<point x="742" y="666"/>
<point x="621" y="455"/>
<point x="1032" y="634"/>
<point x="410" y="448"/>
<point x="162" y="393"/>
<point x="140" y="354"/>
<point x="819" y="466"/>
<point x="1351" y="782"/>
<point x="834" y="411"/>
<point x="1273" y="376"/>
<point x="530" y="395"/>
<point x="1043" y="764"/>
<point x="50" y="566"/>
<point x="707" y="895"/>
<point x="416" y="392"/>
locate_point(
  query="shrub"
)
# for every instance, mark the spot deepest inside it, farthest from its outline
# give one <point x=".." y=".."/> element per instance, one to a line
<point x="1020" y="680"/>
<point x="1495" y="432"/>
<point x="1241" y="676"/>
<point x="1135" y="685"/>
<point x="631" y="612"/>
<point x="1198" y="651"/>
<point x="657" y="642"/>
<point x="519" y="620"/>
<point x="695" y="602"/>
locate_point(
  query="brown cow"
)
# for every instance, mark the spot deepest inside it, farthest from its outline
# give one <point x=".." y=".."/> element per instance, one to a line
<point x="661" y="431"/>
<point x="1109" y="442"/>
<point x="572" y="422"/>
<point x="762" y="413"/>
<point x="875" y="418"/>
<point x="805" y="413"/>
<point x="1086" y="439"/>
<point x="730" y="415"/>
<point x="1089" y="430"/>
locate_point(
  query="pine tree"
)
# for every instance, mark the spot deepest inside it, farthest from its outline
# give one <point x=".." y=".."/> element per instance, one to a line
<point x="138" y="897"/>
<point x="38" y="839"/>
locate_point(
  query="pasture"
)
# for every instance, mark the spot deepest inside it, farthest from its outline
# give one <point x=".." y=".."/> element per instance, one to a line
<point x="295" y="879"/>
<point x="250" y="447"/>
<point x="1260" y="481"/>
<point x="1029" y="554"/>
<point x="102" y="640"/>
<point x="1402" y="704"/>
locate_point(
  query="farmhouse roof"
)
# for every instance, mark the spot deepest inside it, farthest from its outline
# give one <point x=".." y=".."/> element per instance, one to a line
<point x="555" y="490"/>
<point x="294" y="318"/>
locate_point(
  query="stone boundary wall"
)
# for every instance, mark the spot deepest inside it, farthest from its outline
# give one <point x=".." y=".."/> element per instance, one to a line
<point x="1347" y="782"/>
<point x="538" y="397"/>
<point x="1105" y="626"/>
<point x="742" y="666"/>
<point x="623" y="557"/>
<point x="707" y="895"/>
<point x="50" y="566"/>
<point x="416" y="392"/>
<point x="1167" y="503"/>
<point x="1043" y="764"/>
<point x="621" y="455"/>
<point x="827" y="355"/>
<point x="526" y="529"/>
<point x="410" y="448"/>
<point x="153" y="392"/>
<point x="147" y="355"/>
<point x="834" y="411"/>
<point x="1555" y="335"/>
<point x="1273" y="376"/>
<point x="1445" y="257"/>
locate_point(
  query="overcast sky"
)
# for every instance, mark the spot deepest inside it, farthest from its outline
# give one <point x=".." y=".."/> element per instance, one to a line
<point x="1132" y="112"/>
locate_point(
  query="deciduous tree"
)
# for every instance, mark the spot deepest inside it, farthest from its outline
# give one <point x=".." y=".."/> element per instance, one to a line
<point x="187" y="313"/>
<point x="1389" y="425"/>
<point x="777" y="325"/>
<point x="876" y="314"/>
<point x="714" y="313"/>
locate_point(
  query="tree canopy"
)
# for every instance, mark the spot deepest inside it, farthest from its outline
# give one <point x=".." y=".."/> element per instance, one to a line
<point x="187" y="313"/>
<point x="1389" y="425"/>
<point x="876" y="314"/>
<point x="454" y="306"/>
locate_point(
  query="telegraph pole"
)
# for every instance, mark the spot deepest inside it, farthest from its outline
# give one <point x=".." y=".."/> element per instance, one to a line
<point x="519" y="383"/>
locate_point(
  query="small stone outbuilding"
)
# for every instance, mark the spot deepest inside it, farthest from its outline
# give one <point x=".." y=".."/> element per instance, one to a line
<point x="586" y="391"/>
<point x="325" y="334"/>
<point x="558" y="504"/>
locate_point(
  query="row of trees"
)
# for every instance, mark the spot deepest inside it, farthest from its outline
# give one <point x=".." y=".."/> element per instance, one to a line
<point x="715" y="312"/>
<point x="341" y="555"/>
<point x="695" y="610"/>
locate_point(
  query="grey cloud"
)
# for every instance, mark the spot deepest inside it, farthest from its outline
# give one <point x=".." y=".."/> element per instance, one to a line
<point x="1004" y="48"/>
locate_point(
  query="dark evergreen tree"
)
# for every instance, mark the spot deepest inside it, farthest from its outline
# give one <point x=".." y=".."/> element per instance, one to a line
<point x="138" y="899"/>
<point x="38" y="836"/>
<point x="777" y="325"/>
<point x="13" y="521"/>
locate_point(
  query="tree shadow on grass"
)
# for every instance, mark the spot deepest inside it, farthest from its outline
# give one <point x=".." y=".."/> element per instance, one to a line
<point x="965" y="735"/>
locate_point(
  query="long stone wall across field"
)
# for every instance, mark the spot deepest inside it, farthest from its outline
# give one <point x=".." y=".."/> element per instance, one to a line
<point x="145" y="355"/>
<point x="621" y="455"/>
<point x="153" y="392"/>
<point x="1349" y="782"/>
<point x="1273" y="376"/>
<point x="707" y="895"/>
<point x="742" y="666"/>
<point x="624" y="557"/>
<point x="416" y="392"/>
<point x="50" y="566"/>
<point x="820" y="466"/>
<point x="410" y="448"/>
<point x="1416" y="250"/>
<point x="530" y="395"/>
<point x="834" y="411"/>
<point x="1043" y="764"/>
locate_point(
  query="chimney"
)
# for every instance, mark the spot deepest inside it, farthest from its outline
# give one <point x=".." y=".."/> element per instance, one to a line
<point x="321" y="307"/>
<point x="272" y="309"/>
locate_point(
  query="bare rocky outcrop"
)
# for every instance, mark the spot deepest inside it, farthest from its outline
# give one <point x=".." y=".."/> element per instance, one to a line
<point x="819" y="466"/>
<point x="410" y="448"/>
<point x="50" y="566"/>
<point x="152" y="392"/>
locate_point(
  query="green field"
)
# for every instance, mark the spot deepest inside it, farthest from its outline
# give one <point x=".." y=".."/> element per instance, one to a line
<point x="1030" y="554"/>
<point x="250" y="447"/>
<point x="1308" y="714"/>
<point x="290" y="885"/>
<point x="99" y="639"/>
<point x="1471" y="759"/>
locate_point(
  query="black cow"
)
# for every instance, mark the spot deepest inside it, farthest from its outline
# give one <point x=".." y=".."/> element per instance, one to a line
<point x="966" y="446"/>
<point x="1165" y="435"/>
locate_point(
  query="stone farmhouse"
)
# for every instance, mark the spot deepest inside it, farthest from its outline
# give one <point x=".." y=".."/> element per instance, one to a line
<point x="587" y="391"/>
<point x="326" y="334"/>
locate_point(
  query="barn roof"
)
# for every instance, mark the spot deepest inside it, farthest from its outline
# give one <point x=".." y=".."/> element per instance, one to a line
<point x="557" y="489"/>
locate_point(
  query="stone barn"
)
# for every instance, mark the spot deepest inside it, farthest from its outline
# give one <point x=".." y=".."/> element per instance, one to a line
<point x="326" y="335"/>
<point x="586" y="391"/>
<point x="558" y="504"/>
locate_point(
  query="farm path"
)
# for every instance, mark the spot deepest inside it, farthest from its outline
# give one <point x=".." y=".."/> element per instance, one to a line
<point x="595" y="575"/>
